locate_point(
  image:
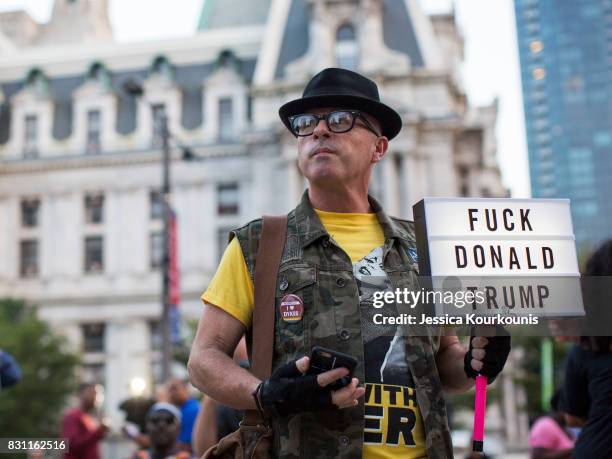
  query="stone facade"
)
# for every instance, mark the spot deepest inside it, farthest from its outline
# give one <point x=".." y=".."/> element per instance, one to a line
<point x="70" y="136"/>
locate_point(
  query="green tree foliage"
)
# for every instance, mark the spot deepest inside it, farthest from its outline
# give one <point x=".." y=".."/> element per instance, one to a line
<point x="33" y="408"/>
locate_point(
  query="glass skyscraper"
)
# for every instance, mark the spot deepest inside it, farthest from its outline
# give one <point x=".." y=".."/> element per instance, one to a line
<point x="565" y="49"/>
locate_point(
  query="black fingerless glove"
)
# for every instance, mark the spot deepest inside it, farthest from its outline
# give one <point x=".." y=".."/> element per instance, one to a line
<point x="289" y="392"/>
<point x="496" y="354"/>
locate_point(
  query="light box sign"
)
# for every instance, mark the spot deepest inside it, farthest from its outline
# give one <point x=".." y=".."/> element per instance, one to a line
<point x="520" y="254"/>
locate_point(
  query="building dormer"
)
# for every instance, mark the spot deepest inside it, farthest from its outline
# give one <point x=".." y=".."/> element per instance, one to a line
<point x="161" y="96"/>
<point x="340" y="31"/>
<point x="225" y="101"/>
<point x="31" y="118"/>
<point x="95" y="112"/>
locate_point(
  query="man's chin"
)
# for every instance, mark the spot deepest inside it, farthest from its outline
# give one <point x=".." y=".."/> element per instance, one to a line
<point x="324" y="179"/>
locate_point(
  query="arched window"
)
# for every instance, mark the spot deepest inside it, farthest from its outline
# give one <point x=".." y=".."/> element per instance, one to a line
<point x="37" y="82"/>
<point x="227" y="58"/>
<point x="347" y="49"/>
<point x="99" y="74"/>
<point x="161" y="67"/>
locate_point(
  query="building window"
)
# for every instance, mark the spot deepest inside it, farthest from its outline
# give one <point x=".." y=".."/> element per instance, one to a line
<point x="347" y="50"/>
<point x="536" y="46"/>
<point x="93" y="337"/>
<point x="158" y="113"/>
<point x="29" y="258"/>
<point x="94" y="129"/>
<point x="30" y="209"/>
<point x="37" y="83"/>
<point x="227" y="199"/>
<point x="539" y="73"/>
<point x="99" y="74"/>
<point x="464" y="181"/>
<point x="155" y="333"/>
<point x="156" y="249"/>
<point x="94" y="208"/>
<point x="222" y="236"/>
<point x="162" y="68"/>
<point x="94" y="257"/>
<point x="226" y="119"/>
<point x="30" y="144"/>
<point x="156" y="205"/>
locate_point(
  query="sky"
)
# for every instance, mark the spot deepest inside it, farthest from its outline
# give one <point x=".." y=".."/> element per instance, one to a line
<point x="490" y="69"/>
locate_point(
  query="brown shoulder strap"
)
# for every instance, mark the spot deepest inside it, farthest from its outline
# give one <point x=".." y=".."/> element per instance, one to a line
<point x="271" y="245"/>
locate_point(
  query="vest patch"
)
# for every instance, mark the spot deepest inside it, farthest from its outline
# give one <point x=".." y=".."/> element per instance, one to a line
<point x="291" y="308"/>
<point x="412" y="253"/>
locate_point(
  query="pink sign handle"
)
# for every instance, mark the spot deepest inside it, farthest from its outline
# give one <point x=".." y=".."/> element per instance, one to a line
<point x="480" y="405"/>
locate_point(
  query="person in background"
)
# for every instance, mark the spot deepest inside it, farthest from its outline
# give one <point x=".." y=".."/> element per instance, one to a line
<point x="10" y="373"/>
<point x="549" y="438"/>
<point x="163" y="428"/>
<point x="178" y="395"/>
<point x="588" y="372"/>
<point x="80" y="427"/>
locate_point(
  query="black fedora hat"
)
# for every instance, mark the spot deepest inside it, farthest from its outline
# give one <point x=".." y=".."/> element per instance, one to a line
<point x="343" y="88"/>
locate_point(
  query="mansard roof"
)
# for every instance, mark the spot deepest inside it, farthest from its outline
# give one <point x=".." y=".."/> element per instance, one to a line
<point x="188" y="78"/>
<point x="398" y="27"/>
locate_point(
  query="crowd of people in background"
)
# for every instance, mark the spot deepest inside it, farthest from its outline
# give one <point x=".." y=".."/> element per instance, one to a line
<point x="580" y="424"/>
<point x="175" y="425"/>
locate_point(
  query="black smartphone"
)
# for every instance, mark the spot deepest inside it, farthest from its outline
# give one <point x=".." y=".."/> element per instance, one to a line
<point x="323" y="359"/>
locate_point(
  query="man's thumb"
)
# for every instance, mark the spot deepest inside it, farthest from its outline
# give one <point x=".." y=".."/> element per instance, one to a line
<point x="303" y="364"/>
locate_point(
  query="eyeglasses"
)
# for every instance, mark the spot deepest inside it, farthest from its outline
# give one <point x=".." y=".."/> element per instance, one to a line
<point x="168" y="420"/>
<point x="339" y="121"/>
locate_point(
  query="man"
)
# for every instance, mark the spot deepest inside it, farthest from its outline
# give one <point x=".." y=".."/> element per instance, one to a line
<point x="10" y="373"/>
<point x="163" y="425"/>
<point x="340" y="248"/>
<point x="79" y="426"/>
<point x="178" y="395"/>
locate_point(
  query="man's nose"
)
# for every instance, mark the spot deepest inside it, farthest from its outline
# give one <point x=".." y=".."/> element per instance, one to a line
<point x="321" y="129"/>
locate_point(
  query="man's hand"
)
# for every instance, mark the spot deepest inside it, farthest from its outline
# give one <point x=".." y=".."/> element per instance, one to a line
<point x="289" y="390"/>
<point x="487" y="355"/>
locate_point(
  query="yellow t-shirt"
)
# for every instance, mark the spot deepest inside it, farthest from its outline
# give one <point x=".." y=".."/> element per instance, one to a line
<point x="394" y="427"/>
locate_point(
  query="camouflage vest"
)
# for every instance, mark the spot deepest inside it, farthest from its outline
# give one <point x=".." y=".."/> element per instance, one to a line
<point x="321" y="273"/>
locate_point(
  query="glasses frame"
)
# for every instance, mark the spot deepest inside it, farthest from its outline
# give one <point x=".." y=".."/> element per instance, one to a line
<point x="354" y="113"/>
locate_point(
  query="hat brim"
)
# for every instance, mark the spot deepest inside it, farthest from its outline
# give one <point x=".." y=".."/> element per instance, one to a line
<point x="390" y="121"/>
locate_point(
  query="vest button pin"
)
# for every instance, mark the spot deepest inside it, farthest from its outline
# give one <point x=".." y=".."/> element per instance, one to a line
<point x="344" y="335"/>
<point x="283" y="285"/>
<point x="340" y="282"/>
<point x="344" y="440"/>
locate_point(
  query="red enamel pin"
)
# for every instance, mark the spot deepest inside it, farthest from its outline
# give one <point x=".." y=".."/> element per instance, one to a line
<point x="291" y="308"/>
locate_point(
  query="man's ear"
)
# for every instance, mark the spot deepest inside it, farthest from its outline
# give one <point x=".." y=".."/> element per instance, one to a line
<point x="380" y="148"/>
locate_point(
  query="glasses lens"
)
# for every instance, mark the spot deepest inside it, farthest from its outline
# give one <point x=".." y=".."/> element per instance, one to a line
<point x="304" y="124"/>
<point x="340" y="121"/>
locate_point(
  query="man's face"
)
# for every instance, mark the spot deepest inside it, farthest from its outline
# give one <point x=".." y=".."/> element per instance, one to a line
<point x="326" y="157"/>
<point x="177" y="392"/>
<point x="163" y="428"/>
<point x="90" y="397"/>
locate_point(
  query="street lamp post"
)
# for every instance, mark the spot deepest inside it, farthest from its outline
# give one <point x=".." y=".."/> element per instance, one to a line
<point x="135" y="89"/>
<point x="165" y="321"/>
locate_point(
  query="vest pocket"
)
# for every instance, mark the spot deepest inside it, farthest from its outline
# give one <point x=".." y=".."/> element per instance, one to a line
<point x="294" y="300"/>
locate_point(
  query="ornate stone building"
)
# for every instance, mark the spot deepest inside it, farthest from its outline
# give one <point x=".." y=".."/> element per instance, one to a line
<point x="80" y="226"/>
